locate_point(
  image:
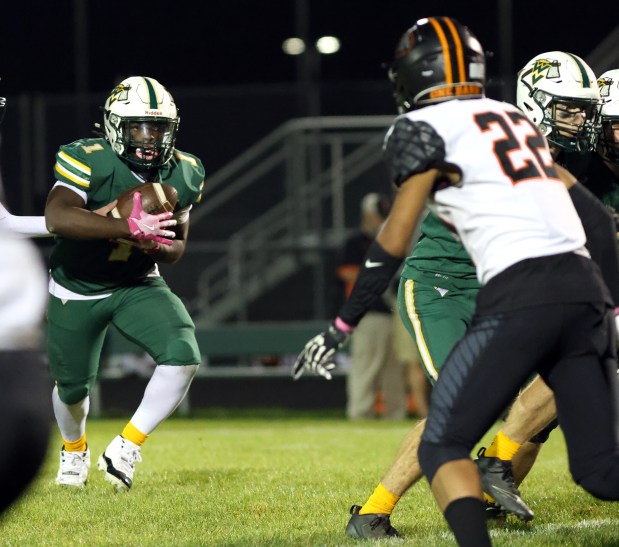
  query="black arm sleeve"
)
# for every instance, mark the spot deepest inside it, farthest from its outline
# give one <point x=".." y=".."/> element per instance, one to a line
<point x="376" y="273"/>
<point x="601" y="232"/>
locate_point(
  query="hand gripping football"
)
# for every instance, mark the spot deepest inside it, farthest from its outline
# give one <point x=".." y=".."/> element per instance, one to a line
<point x="157" y="197"/>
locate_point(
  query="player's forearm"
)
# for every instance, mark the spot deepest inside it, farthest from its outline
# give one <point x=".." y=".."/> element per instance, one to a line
<point x="27" y="226"/>
<point x="169" y="254"/>
<point x="600" y="229"/>
<point x="77" y="223"/>
<point x="24" y="226"/>
<point x="166" y="254"/>
<point x="375" y="275"/>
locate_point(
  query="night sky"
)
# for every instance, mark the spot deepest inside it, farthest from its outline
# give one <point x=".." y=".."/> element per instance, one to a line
<point x="190" y="43"/>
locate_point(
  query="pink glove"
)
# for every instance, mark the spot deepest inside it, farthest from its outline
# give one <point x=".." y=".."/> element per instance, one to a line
<point x="145" y="226"/>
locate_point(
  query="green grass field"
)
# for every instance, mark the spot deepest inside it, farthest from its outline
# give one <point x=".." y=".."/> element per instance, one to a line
<point x="276" y="480"/>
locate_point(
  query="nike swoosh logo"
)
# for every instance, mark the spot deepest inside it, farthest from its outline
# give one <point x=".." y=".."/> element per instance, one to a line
<point x="370" y="264"/>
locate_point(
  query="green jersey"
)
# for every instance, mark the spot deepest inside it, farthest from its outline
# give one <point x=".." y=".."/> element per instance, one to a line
<point x="439" y="258"/>
<point x="92" y="267"/>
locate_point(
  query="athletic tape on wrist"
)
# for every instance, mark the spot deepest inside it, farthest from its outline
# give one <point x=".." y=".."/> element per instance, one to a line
<point x="345" y="327"/>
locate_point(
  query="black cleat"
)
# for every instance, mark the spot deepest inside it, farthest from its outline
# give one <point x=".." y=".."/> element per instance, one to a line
<point x="370" y="526"/>
<point x="494" y="511"/>
<point x="497" y="480"/>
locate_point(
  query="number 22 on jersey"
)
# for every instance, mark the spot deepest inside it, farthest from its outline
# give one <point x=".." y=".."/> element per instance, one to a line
<point x="521" y="150"/>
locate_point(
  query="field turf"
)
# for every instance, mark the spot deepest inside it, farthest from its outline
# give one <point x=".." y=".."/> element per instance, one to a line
<point x="277" y="478"/>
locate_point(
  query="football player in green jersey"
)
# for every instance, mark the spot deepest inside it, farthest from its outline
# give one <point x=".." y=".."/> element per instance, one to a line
<point x="104" y="271"/>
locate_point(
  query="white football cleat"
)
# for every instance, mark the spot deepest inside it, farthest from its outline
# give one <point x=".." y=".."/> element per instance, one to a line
<point x="118" y="461"/>
<point x="73" y="470"/>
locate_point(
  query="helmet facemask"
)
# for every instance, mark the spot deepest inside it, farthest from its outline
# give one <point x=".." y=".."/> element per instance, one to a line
<point x="145" y="143"/>
<point x="569" y="124"/>
<point x="403" y="100"/>
<point x="608" y="141"/>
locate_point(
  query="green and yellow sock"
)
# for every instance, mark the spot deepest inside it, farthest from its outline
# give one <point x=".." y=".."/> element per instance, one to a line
<point x="76" y="446"/>
<point x="381" y="501"/>
<point x="133" y="434"/>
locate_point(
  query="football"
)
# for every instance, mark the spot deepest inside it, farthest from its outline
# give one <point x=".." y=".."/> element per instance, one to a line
<point x="157" y="197"/>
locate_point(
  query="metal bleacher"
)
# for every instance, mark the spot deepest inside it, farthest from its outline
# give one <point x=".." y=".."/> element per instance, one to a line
<point x="301" y="171"/>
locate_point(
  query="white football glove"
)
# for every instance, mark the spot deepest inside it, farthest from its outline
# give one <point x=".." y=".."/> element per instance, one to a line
<point x="317" y="355"/>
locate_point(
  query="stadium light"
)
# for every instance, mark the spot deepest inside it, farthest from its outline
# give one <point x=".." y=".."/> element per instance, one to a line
<point x="293" y="46"/>
<point x="327" y="45"/>
<point x="308" y="61"/>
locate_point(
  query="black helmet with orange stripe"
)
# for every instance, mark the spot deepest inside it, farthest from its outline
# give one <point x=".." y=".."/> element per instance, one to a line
<point x="437" y="59"/>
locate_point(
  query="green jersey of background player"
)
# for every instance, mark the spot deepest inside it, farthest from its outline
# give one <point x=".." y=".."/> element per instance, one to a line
<point x="104" y="271"/>
<point x="437" y="293"/>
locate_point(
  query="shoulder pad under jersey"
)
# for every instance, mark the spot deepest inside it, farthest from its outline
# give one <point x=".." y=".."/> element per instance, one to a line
<point x="412" y="147"/>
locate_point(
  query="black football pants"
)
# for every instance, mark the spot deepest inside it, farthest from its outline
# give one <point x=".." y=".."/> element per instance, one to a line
<point x="572" y="346"/>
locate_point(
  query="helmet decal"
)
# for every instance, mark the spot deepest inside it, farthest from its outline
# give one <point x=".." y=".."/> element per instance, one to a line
<point x="405" y="45"/>
<point x="551" y="67"/>
<point x="119" y="93"/>
<point x="604" y="83"/>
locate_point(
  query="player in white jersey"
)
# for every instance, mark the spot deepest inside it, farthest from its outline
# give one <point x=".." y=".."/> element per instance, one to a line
<point x="487" y="170"/>
<point x="510" y="229"/>
<point x="25" y="414"/>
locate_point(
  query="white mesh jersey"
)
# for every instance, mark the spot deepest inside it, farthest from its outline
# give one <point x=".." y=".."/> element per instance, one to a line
<point x="510" y="204"/>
